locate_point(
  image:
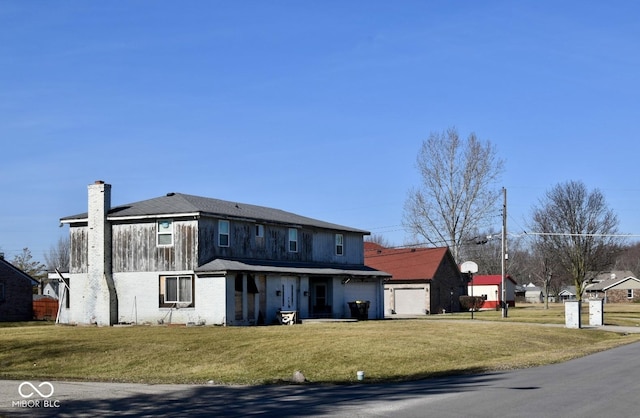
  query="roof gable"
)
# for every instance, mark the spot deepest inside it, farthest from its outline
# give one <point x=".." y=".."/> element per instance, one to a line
<point x="611" y="283"/>
<point x="406" y="263"/>
<point x="11" y="272"/>
<point x="176" y="204"/>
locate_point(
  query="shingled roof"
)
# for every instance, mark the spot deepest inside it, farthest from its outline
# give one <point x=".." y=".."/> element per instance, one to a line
<point x="179" y="204"/>
<point x="9" y="271"/>
<point x="405" y="263"/>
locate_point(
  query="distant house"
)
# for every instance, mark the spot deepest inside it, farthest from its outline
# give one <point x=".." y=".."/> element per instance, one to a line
<point x="614" y="287"/>
<point x="45" y="306"/>
<point x="423" y="280"/>
<point x="16" y="293"/>
<point x="188" y="259"/>
<point x="490" y="288"/>
<point x="568" y="293"/>
<point x="533" y="293"/>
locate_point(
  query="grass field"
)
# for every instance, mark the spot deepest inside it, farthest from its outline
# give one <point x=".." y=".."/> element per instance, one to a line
<point x="390" y="350"/>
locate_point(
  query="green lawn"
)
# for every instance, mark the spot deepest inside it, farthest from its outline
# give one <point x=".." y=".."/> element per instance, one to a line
<point x="389" y="350"/>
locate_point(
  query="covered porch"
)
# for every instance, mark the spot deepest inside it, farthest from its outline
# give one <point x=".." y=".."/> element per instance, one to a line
<point x="266" y="293"/>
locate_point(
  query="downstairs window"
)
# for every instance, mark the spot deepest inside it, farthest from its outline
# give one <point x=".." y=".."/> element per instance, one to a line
<point x="177" y="291"/>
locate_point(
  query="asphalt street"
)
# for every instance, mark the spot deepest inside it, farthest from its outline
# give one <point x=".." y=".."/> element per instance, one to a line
<point x="602" y="384"/>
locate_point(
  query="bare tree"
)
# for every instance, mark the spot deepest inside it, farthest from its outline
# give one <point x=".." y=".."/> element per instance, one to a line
<point x="378" y="239"/>
<point x="25" y="262"/>
<point x="59" y="254"/>
<point x="577" y="231"/>
<point x="457" y="194"/>
<point x="629" y="259"/>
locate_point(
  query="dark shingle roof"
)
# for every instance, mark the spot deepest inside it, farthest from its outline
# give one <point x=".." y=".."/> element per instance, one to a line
<point x="225" y="265"/>
<point x="9" y="271"/>
<point x="179" y="204"/>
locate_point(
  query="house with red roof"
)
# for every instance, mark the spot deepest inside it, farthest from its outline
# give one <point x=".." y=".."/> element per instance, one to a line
<point x="490" y="287"/>
<point x="423" y="280"/>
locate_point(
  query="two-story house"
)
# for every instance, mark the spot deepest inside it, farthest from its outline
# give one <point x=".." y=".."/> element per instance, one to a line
<point x="186" y="259"/>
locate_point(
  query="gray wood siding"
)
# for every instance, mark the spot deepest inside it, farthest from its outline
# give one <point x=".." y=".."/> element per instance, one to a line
<point x="135" y="248"/>
<point x="195" y="242"/>
<point x="313" y="245"/>
<point x="79" y="244"/>
<point x="325" y="248"/>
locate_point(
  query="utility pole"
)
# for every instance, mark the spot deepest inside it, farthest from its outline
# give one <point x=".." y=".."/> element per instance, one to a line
<point x="505" y="256"/>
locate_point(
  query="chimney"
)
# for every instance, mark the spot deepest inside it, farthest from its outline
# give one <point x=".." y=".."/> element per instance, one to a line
<point x="100" y="300"/>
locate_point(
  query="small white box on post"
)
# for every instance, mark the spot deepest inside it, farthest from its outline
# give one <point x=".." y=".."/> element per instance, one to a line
<point x="572" y="314"/>
<point x="596" y="312"/>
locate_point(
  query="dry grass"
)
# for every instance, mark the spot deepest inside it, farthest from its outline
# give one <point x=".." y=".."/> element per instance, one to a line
<point x="329" y="352"/>
<point x="621" y="314"/>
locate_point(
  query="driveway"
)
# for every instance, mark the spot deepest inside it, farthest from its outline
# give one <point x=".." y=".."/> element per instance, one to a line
<point x="602" y="384"/>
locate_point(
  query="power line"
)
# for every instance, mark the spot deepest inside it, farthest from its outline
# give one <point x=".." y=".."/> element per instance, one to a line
<point x="568" y="234"/>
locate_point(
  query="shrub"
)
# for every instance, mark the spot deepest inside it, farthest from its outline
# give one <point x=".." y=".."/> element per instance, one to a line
<point x="471" y="302"/>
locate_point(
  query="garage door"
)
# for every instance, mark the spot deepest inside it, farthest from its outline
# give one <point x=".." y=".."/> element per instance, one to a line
<point x="362" y="291"/>
<point x="409" y="301"/>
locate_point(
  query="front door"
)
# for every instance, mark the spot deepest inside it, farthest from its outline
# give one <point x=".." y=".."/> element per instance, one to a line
<point x="289" y="294"/>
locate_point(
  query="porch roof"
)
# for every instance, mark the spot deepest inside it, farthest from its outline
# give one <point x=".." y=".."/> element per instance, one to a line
<point x="221" y="265"/>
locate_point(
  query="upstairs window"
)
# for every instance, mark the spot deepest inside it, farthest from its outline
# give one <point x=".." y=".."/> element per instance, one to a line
<point x="223" y="233"/>
<point x="259" y="231"/>
<point x="630" y="293"/>
<point x="293" y="240"/>
<point x="339" y="244"/>
<point x="165" y="233"/>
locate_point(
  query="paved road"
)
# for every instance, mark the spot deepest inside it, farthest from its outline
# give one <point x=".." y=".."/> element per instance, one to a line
<point x="603" y="384"/>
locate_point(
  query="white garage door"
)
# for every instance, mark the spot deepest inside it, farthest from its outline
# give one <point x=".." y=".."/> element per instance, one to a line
<point x="409" y="301"/>
<point x="362" y="291"/>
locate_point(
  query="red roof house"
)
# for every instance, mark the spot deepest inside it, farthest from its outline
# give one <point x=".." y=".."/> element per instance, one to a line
<point x="490" y="286"/>
<point x="424" y="280"/>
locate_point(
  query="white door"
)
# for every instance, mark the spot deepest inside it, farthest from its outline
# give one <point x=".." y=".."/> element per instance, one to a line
<point x="410" y="301"/>
<point x="289" y="294"/>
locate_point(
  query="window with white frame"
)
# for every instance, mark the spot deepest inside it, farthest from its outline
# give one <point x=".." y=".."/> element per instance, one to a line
<point x="176" y="290"/>
<point x="630" y="293"/>
<point x="339" y="244"/>
<point x="165" y="233"/>
<point x="293" y="240"/>
<point x="223" y="233"/>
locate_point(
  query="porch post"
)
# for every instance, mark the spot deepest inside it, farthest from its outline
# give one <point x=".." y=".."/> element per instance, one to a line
<point x="245" y="299"/>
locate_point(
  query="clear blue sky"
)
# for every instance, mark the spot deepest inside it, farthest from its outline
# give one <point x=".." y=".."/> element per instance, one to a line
<point x="315" y="107"/>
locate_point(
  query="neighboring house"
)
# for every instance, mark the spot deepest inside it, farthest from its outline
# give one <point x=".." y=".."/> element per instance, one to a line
<point x="490" y="288"/>
<point x="16" y="293"/>
<point x="568" y="293"/>
<point x="193" y="260"/>
<point x="46" y="305"/>
<point x="423" y="280"/>
<point x="614" y="287"/>
<point x="533" y="293"/>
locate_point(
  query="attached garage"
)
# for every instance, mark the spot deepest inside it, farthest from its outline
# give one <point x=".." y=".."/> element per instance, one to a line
<point x="364" y="291"/>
